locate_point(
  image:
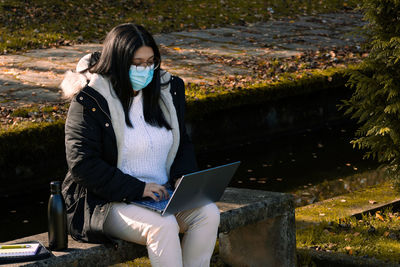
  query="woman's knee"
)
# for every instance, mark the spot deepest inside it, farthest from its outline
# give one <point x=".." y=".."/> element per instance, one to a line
<point x="211" y="213"/>
<point x="167" y="225"/>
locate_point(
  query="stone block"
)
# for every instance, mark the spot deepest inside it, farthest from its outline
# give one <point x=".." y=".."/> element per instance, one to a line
<point x="263" y="234"/>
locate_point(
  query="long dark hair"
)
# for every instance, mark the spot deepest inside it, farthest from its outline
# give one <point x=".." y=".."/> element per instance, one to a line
<point x="114" y="62"/>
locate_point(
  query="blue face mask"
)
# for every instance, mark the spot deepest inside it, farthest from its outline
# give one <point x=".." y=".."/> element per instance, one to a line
<point x="140" y="76"/>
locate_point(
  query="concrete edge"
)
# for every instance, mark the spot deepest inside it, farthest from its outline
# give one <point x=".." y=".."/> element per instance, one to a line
<point x="99" y="255"/>
<point x="258" y="211"/>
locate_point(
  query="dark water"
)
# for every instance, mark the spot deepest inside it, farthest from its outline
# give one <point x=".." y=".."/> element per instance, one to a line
<point x="310" y="162"/>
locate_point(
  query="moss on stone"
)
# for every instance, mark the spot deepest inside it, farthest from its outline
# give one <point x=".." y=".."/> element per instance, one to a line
<point x="346" y="205"/>
<point x="201" y="102"/>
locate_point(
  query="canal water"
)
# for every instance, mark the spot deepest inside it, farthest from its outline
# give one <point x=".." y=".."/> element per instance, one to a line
<point x="312" y="165"/>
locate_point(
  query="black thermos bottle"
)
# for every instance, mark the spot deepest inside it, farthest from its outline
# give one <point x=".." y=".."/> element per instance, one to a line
<point x="57" y="218"/>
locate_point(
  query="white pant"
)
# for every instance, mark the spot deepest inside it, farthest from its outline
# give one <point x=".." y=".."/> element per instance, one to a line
<point x="161" y="234"/>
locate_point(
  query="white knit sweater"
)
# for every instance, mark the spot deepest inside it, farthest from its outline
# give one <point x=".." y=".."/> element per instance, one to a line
<point x="145" y="147"/>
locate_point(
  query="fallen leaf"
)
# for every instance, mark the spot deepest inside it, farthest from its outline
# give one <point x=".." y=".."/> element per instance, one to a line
<point x="372" y="202"/>
<point x="385" y="234"/>
<point x="377" y="215"/>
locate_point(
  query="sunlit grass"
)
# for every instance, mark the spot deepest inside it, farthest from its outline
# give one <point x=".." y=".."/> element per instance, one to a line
<point x="326" y="226"/>
<point x="43" y="23"/>
<point x="372" y="236"/>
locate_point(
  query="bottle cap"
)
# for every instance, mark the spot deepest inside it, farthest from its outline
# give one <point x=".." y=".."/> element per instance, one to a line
<point x="55" y="187"/>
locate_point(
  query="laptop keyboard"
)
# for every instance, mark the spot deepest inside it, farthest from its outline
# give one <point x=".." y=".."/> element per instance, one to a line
<point x="160" y="205"/>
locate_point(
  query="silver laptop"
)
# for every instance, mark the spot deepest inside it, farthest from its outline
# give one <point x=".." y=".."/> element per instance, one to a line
<point x="195" y="189"/>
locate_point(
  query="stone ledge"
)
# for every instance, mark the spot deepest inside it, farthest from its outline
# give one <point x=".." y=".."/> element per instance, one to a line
<point x="239" y="207"/>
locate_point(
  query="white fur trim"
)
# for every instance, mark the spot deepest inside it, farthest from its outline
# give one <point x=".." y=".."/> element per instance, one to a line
<point x="72" y="84"/>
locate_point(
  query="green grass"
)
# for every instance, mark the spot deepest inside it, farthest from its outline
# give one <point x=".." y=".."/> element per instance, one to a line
<point x="371" y="236"/>
<point x="43" y="23"/>
<point x="27" y="111"/>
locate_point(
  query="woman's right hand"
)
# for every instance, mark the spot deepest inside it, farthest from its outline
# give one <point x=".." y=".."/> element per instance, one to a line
<point x="151" y="188"/>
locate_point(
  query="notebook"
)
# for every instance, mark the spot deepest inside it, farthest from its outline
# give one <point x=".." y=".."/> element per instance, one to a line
<point x="24" y="249"/>
<point x="194" y="190"/>
<point x="33" y="251"/>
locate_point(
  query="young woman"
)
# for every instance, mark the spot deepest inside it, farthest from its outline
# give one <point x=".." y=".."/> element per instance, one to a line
<point x="125" y="139"/>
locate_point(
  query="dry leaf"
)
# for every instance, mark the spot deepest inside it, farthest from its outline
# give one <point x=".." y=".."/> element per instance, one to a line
<point x="349" y="250"/>
<point x="385" y="234"/>
<point x="377" y="215"/>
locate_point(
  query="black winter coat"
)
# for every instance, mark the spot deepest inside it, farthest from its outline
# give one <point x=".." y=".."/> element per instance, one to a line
<point x="93" y="179"/>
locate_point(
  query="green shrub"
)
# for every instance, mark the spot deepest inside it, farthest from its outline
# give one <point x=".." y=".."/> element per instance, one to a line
<point x="375" y="102"/>
<point x="34" y="152"/>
